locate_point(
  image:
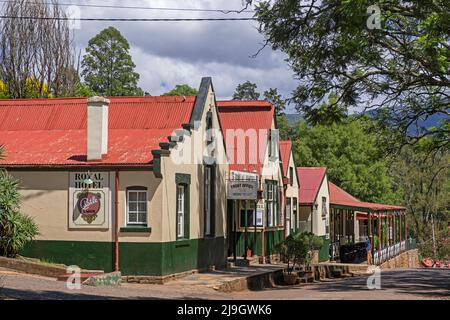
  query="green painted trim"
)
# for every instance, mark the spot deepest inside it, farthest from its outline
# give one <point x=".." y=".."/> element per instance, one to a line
<point x="136" y="229"/>
<point x="153" y="259"/>
<point x="324" y="252"/>
<point x="335" y="206"/>
<point x="182" y="178"/>
<point x="271" y="239"/>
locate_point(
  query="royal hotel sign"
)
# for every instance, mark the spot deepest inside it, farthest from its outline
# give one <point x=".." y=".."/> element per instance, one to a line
<point x="89" y="205"/>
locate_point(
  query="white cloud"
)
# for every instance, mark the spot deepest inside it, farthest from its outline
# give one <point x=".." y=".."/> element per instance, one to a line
<point x="170" y="53"/>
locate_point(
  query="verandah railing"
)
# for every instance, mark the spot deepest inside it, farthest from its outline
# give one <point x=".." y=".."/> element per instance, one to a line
<point x="394" y="250"/>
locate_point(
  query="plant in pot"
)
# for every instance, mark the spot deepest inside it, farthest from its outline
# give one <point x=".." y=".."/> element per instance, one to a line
<point x="289" y="251"/>
<point x="309" y="242"/>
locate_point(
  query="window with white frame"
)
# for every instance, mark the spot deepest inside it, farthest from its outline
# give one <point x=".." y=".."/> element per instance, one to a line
<point x="273" y="143"/>
<point x="271" y="203"/>
<point x="137" y="206"/>
<point x="324" y="207"/>
<point x="180" y="211"/>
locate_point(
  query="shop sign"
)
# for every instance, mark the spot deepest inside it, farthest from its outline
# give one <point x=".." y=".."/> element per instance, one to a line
<point x="242" y="186"/>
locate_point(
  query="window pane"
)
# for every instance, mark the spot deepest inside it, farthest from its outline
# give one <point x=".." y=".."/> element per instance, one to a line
<point x="132" y="206"/>
<point x="142" y="217"/>
<point x="142" y="196"/>
<point x="142" y="207"/>
<point x="132" y="217"/>
<point x="132" y="196"/>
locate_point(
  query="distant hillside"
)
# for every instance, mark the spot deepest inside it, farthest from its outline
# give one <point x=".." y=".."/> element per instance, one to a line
<point x="430" y="122"/>
<point x="293" y="118"/>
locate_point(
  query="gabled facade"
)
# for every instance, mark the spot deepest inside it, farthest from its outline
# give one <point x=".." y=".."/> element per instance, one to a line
<point x="109" y="185"/>
<point x="291" y="187"/>
<point x="314" y="200"/>
<point x="314" y="204"/>
<point x="253" y="151"/>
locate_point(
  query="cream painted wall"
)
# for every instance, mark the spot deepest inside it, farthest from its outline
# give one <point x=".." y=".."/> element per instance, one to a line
<point x="271" y="170"/>
<point x="170" y="168"/>
<point x="154" y="204"/>
<point x="45" y="197"/>
<point x="292" y="191"/>
<point x="319" y="221"/>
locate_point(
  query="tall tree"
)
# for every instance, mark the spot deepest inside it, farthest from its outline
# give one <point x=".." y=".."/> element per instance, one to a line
<point x="38" y="50"/>
<point x="426" y="184"/>
<point x="108" y="68"/>
<point x="246" y="91"/>
<point x="181" y="90"/>
<point x="276" y="99"/>
<point x="352" y="157"/>
<point x="394" y="55"/>
<point x="327" y="113"/>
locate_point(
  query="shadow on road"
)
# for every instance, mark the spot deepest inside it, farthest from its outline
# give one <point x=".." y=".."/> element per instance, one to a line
<point x="422" y="282"/>
<point x="59" y="295"/>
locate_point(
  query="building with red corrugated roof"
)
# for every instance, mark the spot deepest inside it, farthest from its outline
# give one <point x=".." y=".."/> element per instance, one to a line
<point x="354" y="221"/>
<point x="123" y="183"/>
<point x="314" y="204"/>
<point x="255" y="193"/>
<point x="291" y="187"/>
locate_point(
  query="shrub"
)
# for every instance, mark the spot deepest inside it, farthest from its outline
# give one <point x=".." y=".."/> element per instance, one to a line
<point x="16" y="229"/>
<point x="297" y="249"/>
<point x="310" y="242"/>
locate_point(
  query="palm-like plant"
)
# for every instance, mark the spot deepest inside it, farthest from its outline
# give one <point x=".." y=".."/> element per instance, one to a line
<point x="16" y="229"/>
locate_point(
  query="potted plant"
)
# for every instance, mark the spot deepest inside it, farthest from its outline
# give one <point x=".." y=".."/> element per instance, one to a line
<point x="309" y="242"/>
<point x="289" y="252"/>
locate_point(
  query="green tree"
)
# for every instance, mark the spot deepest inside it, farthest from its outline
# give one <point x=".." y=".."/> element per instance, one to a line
<point x="327" y="113"/>
<point x="4" y="94"/>
<point x="181" y="90"/>
<point x="246" y="91"/>
<point x="83" y="90"/>
<point x="276" y="99"/>
<point x="16" y="229"/>
<point x="287" y="131"/>
<point x="352" y="157"/>
<point x="333" y="47"/>
<point x="108" y="68"/>
<point x="425" y="180"/>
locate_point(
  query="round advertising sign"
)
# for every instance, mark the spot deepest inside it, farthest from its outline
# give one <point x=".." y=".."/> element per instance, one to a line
<point x="89" y="204"/>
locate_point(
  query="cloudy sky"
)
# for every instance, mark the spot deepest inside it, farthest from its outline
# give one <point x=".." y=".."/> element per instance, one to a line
<point x="169" y="53"/>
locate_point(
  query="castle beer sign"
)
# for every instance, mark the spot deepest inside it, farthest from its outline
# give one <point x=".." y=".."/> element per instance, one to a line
<point x="89" y="200"/>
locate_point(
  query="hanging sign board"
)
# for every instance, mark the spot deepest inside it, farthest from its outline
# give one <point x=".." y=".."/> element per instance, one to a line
<point x="242" y="186"/>
<point x="89" y="200"/>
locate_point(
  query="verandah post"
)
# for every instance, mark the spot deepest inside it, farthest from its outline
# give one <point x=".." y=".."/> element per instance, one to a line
<point x="406" y="228"/>
<point x="379" y="237"/>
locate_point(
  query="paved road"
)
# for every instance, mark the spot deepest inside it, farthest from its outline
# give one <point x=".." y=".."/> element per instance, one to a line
<point x="395" y="284"/>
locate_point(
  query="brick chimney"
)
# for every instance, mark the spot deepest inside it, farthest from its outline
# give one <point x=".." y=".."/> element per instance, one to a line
<point x="97" y="128"/>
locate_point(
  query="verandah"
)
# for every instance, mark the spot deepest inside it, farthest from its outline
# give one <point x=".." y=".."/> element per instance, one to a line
<point x="385" y="227"/>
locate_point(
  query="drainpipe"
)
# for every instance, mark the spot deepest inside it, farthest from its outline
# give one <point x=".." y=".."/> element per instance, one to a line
<point x="116" y="222"/>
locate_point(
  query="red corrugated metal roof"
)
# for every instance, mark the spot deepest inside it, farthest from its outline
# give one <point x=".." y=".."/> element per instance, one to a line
<point x="49" y="132"/>
<point x="310" y="181"/>
<point x="245" y="115"/>
<point x="244" y="103"/>
<point x="285" y="155"/>
<point x="339" y="196"/>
